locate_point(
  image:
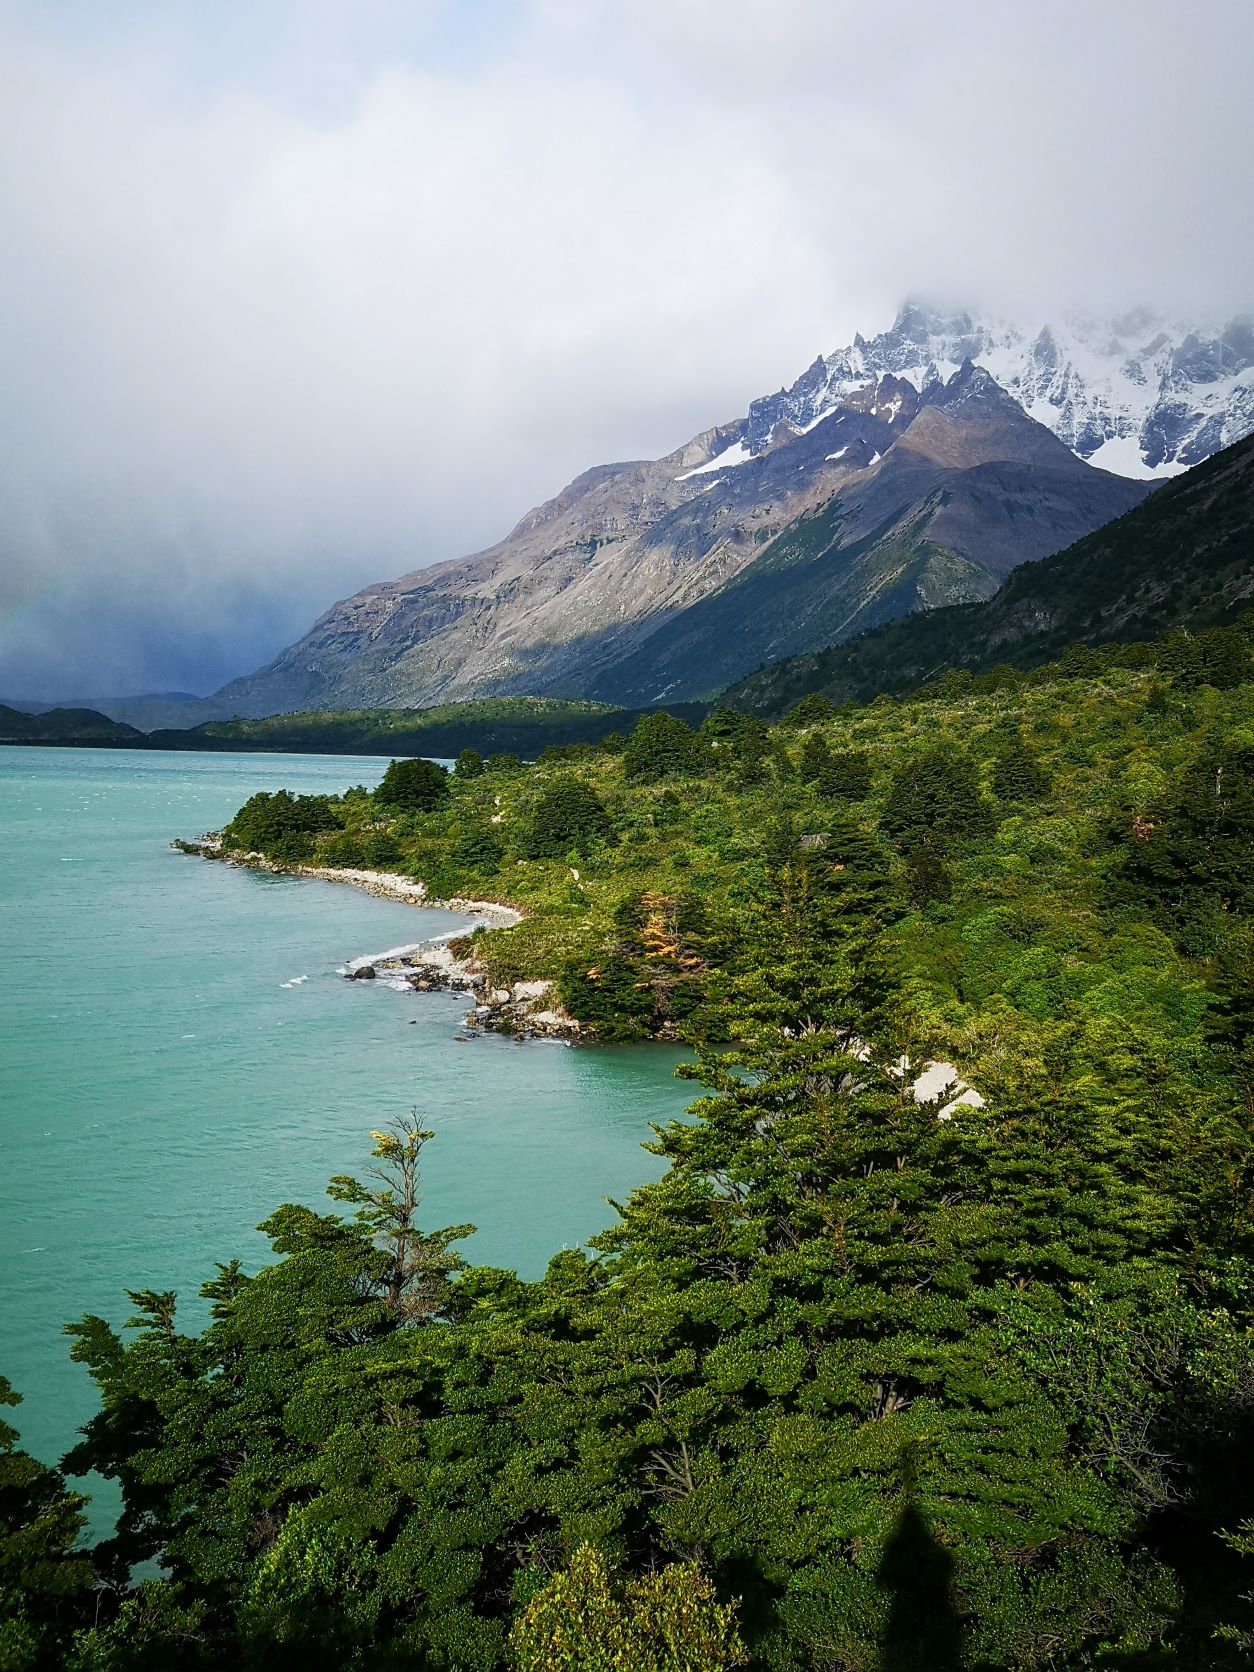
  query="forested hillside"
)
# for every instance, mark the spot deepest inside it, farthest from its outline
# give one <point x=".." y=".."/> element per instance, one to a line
<point x="877" y="1377"/>
<point x="1184" y="558"/>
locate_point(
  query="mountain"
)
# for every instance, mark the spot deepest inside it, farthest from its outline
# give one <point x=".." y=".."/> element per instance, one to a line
<point x="1139" y="394"/>
<point x="669" y="578"/>
<point x="1183" y="558"/>
<point x="146" y="710"/>
<point x="73" y="726"/>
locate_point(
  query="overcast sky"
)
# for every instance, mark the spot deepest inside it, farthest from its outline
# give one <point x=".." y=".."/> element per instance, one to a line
<point x="300" y="294"/>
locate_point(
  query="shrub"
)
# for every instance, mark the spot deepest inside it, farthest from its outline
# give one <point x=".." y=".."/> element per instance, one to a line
<point x="382" y="852"/>
<point x="813" y="710"/>
<point x="662" y="746"/>
<point x="345" y="850"/>
<point x="281" y="825"/>
<point x="413" y="786"/>
<point x="469" y="764"/>
<point x="1018" y="774"/>
<point x="568" y="815"/>
<point x="479" y="848"/>
<point x="587" y="1620"/>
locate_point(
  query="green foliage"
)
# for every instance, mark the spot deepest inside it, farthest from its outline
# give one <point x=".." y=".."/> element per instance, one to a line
<point x="280" y="825"/>
<point x="935" y="796"/>
<point x="413" y="786"/>
<point x="906" y="1385"/>
<point x="662" y="746"/>
<point x="584" y="1620"/>
<point x="42" y="1576"/>
<point x="814" y="709"/>
<point x="1018" y="774"/>
<point x="469" y="764"/>
<point x="841" y="775"/>
<point x="567" y="817"/>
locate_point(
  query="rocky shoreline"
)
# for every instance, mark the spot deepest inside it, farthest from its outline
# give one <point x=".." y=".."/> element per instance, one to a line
<point x="527" y="1010"/>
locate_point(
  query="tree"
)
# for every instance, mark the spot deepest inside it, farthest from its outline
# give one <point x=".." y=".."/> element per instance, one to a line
<point x="586" y="1619"/>
<point x="567" y="816"/>
<point x="816" y="760"/>
<point x="416" y="1269"/>
<point x="928" y="879"/>
<point x="1194" y="857"/>
<point x="413" y="786"/>
<point x="662" y="746"/>
<point x="43" y="1577"/>
<point x="814" y="709"/>
<point x="843" y="775"/>
<point x="935" y="796"/>
<point x="469" y="764"/>
<point x="1018" y="774"/>
<point x="280" y="825"/>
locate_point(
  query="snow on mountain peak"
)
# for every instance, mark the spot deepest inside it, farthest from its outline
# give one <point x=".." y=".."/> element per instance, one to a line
<point x="1138" y="394"/>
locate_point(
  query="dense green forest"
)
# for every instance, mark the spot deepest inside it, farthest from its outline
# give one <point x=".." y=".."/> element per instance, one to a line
<point x="864" y="1383"/>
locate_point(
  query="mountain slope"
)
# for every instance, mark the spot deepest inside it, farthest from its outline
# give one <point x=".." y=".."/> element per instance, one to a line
<point x="1139" y="394"/>
<point x="1185" y="557"/>
<point x="895" y="499"/>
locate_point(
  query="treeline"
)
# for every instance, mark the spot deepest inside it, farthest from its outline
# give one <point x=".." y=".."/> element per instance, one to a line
<point x="863" y="1382"/>
<point x="494" y="725"/>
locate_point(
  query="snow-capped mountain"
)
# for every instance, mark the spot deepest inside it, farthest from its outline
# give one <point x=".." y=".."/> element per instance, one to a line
<point x="912" y="469"/>
<point x="667" y="579"/>
<point x="1140" y="395"/>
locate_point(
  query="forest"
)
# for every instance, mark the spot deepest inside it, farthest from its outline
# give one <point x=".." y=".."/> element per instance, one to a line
<point x="866" y="1382"/>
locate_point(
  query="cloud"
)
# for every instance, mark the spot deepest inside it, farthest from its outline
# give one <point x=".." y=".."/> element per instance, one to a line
<point x="303" y="296"/>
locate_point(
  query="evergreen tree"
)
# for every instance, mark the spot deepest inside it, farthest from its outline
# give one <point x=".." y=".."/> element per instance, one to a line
<point x="848" y="776"/>
<point x="815" y="764"/>
<point x="567" y="816"/>
<point x="662" y="746"/>
<point x="43" y="1577"/>
<point x="814" y="709"/>
<point x="413" y="786"/>
<point x="1018" y="774"/>
<point x="935" y="796"/>
<point x="469" y="764"/>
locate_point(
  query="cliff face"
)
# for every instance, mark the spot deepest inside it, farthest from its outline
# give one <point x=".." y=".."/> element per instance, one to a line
<point x="666" y="579"/>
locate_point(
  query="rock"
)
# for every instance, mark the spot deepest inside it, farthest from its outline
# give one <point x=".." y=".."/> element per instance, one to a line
<point x="365" y="973"/>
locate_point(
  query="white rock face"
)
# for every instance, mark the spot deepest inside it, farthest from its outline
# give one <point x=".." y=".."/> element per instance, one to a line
<point x="1139" y="395"/>
<point x="936" y="1079"/>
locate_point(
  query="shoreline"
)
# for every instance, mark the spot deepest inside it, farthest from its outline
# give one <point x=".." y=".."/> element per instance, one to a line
<point x="526" y="1010"/>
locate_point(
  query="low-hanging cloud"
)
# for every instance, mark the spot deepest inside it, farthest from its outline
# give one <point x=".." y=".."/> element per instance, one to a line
<point x="346" y="294"/>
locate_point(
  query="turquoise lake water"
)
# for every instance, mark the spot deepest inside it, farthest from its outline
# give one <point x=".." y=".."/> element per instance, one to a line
<point x="178" y="1055"/>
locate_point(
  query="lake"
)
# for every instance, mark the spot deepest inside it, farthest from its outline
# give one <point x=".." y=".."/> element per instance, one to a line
<point x="179" y="1054"/>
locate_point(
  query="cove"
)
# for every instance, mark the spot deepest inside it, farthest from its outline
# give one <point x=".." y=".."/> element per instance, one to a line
<point x="178" y="1054"/>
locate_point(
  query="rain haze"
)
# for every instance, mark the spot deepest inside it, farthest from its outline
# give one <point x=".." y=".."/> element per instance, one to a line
<point x="298" y="295"/>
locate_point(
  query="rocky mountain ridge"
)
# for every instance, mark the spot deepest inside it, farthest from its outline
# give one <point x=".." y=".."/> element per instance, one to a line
<point x="625" y="586"/>
<point x="1139" y="394"/>
<point x="909" y="470"/>
<point x="1183" y="559"/>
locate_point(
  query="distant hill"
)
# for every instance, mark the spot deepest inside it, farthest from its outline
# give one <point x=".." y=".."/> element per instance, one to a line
<point x="499" y="725"/>
<point x="1184" y="558"/>
<point x="72" y="726"/>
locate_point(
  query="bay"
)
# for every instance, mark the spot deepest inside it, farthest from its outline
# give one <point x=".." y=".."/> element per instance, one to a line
<point x="179" y="1054"/>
